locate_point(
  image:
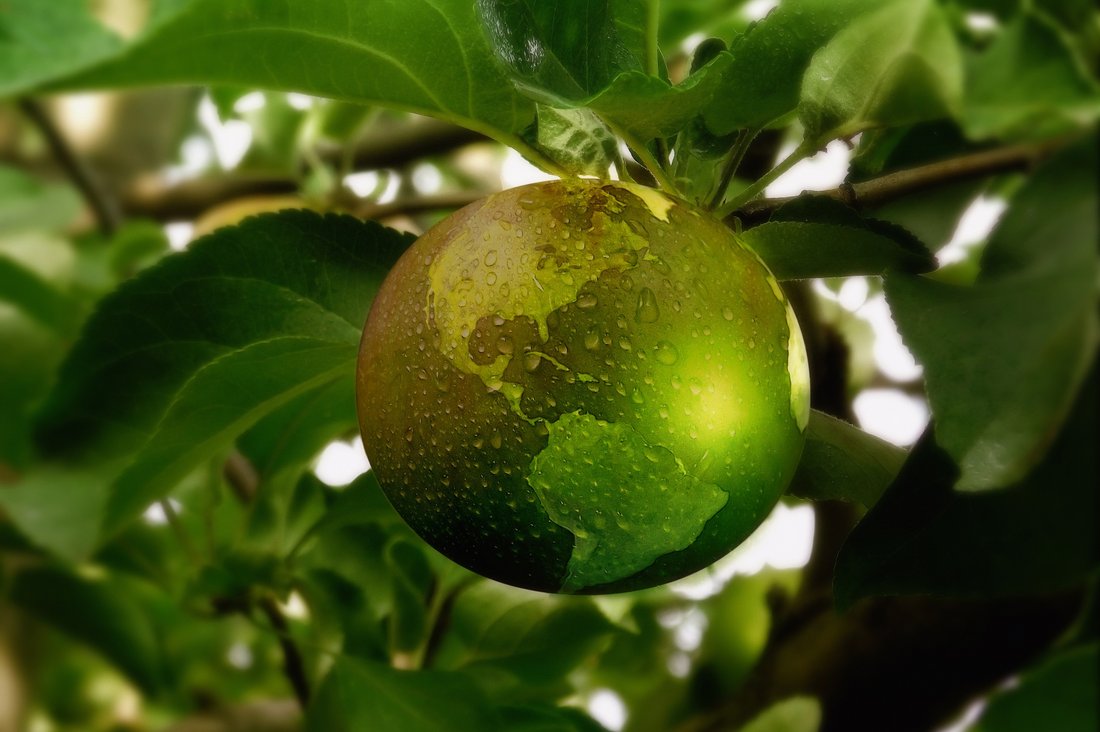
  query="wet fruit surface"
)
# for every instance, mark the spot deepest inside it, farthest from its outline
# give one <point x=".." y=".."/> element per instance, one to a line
<point x="582" y="386"/>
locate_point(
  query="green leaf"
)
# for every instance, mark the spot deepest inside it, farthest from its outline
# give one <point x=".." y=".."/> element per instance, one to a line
<point x="98" y="612"/>
<point x="1003" y="359"/>
<point x="357" y="696"/>
<point x="763" y="82"/>
<point x="546" y="718"/>
<point x="797" y="714"/>
<point x="294" y="434"/>
<point x="819" y="237"/>
<point x="35" y="297"/>
<point x="415" y="55"/>
<point x="897" y="65"/>
<point x="646" y="106"/>
<point x="842" y="462"/>
<point x="923" y="537"/>
<point x="42" y="41"/>
<point x="1064" y="688"/>
<point x="32" y="204"/>
<point x="1029" y="84"/>
<point x="562" y="50"/>
<point x="195" y="350"/>
<point x="59" y="509"/>
<point x="576" y="140"/>
<point x="537" y="638"/>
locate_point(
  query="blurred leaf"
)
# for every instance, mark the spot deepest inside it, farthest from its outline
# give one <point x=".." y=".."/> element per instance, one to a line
<point x="100" y="613"/>
<point x="842" y="462"/>
<point x="411" y="578"/>
<point x="1029" y="84"/>
<point x="576" y="140"/>
<point x="819" y="237"/>
<point x="59" y="509"/>
<point x="29" y="203"/>
<point x="161" y="369"/>
<point x="546" y="718"/>
<point x="358" y="695"/>
<point x="1064" y="691"/>
<point x="414" y="55"/>
<point x="42" y="41"/>
<point x="739" y="622"/>
<point x="35" y="297"/>
<point x="797" y="714"/>
<point x="922" y="537"/>
<point x="536" y="637"/>
<point x="763" y="82"/>
<point x="896" y="65"/>
<point x="562" y="50"/>
<point x="30" y="354"/>
<point x="1003" y="359"/>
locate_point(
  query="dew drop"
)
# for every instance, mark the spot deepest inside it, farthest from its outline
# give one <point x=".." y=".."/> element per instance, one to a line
<point x="592" y="339"/>
<point x="587" y="301"/>
<point x="646" y="310"/>
<point x="667" y="353"/>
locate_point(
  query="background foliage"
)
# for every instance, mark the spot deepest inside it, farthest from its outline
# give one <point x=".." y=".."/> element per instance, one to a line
<point x="169" y="557"/>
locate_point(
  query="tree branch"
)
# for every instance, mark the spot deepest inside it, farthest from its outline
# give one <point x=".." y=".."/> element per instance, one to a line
<point x="103" y="207"/>
<point x="889" y="187"/>
<point x="293" y="664"/>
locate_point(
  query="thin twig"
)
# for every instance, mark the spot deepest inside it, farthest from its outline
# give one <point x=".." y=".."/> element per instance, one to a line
<point x="176" y="525"/>
<point x="800" y="153"/>
<point x="733" y="162"/>
<point x="107" y="214"/>
<point x="293" y="663"/>
<point x="889" y="187"/>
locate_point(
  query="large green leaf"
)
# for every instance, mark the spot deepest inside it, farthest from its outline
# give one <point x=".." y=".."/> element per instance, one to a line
<point x="40" y="41"/>
<point x="763" y="83"/>
<point x="924" y="537"/>
<point x="819" y="237"/>
<point x="562" y="50"/>
<point x="98" y="612"/>
<point x="842" y="462"/>
<point x="417" y="55"/>
<point x="1029" y="83"/>
<point x="897" y="65"/>
<point x="358" y="696"/>
<point x="1003" y="359"/>
<point x="1065" y="690"/>
<point x="189" y="354"/>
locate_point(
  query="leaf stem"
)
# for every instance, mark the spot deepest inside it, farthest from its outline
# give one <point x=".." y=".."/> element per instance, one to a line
<point x="801" y="152"/>
<point x="733" y="162"/>
<point x="652" y="52"/>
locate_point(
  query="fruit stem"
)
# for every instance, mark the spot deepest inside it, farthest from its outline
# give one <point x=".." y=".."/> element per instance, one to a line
<point x="646" y="157"/>
<point x="804" y="150"/>
<point x="733" y="162"/>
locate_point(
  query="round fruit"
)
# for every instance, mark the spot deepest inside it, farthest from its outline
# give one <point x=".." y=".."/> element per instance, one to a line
<point x="582" y="386"/>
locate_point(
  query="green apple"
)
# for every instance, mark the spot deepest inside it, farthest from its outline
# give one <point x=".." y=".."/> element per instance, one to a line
<point x="582" y="386"/>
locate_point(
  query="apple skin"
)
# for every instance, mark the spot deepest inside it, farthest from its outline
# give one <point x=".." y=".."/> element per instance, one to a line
<point x="582" y="386"/>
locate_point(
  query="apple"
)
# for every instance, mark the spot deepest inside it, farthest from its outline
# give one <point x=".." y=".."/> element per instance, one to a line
<point x="582" y="386"/>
